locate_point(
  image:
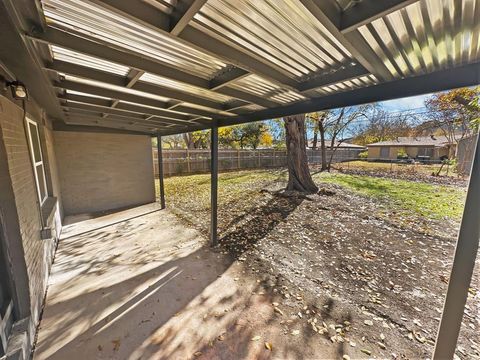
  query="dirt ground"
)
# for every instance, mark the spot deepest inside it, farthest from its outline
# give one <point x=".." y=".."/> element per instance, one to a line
<point x="347" y="271"/>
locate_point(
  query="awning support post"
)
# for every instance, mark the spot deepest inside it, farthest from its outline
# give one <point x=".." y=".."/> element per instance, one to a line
<point x="214" y="186"/>
<point x="160" y="171"/>
<point x="462" y="268"/>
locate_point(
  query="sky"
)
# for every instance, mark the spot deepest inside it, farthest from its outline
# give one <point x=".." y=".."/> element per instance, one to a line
<point x="408" y="103"/>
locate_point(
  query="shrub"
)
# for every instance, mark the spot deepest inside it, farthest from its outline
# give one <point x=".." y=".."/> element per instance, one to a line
<point x="402" y="154"/>
<point x="363" y="155"/>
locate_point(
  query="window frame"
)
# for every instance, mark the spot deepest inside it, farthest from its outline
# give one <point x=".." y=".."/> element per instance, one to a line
<point x="37" y="163"/>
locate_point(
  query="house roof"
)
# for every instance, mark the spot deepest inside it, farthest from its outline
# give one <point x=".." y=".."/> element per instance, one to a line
<point x="343" y="145"/>
<point x="167" y="67"/>
<point x="415" y="141"/>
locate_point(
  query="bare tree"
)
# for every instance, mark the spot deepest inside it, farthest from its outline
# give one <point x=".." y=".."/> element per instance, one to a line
<point x="299" y="178"/>
<point x="333" y="124"/>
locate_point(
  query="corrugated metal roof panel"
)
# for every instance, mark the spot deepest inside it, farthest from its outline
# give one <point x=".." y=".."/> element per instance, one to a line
<point x="259" y="86"/>
<point x="98" y="22"/>
<point x="177" y="85"/>
<point x="116" y="88"/>
<point x="299" y="47"/>
<point x="77" y="58"/>
<point x="362" y="81"/>
<point x="426" y="36"/>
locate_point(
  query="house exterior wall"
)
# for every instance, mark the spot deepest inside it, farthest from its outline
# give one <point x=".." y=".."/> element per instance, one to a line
<point x="374" y="152"/>
<point x="22" y="215"/>
<point x="101" y="171"/>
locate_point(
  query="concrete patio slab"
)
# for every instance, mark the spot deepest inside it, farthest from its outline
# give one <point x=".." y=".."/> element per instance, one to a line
<point x="118" y="281"/>
<point x="139" y="284"/>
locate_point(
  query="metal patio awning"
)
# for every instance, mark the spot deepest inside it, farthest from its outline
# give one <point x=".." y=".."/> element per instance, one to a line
<point x="170" y="66"/>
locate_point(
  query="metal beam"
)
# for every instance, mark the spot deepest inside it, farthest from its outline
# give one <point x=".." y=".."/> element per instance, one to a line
<point x="176" y="131"/>
<point x="113" y="79"/>
<point x="182" y="18"/>
<point x="123" y="113"/>
<point x="462" y="268"/>
<point x="160" y="171"/>
<point x="131" y="78"/>
<point x="99" y="121"/>
<point x="148" y="111"/>
<point x="246" y="96"/>
<point x="352" y="41"/>
<point x="468" y="75"/>
<point x="61" y="126"/>
<point x="230" y="75"/>
<point x="214" y="187"/>
<point x="137" y="99"/>
<point x="95" y="116"/>
<point x="344" y="74"/>
<point x="366" y="11"/>
<point x="109" y="93"/>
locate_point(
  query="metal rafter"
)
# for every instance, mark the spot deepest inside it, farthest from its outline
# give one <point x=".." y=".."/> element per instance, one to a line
<point x="181" y="17"/>
<point x="62" y="126"/>
<point x="124" y="113"/>
<point x="135" y="108"/>
<point x="124" y="57"/>
<point x="113" y="79"/>
<point x="130" y="80"/>
<point x="137" y="99"/>
<point x="353" y="41"/>
<point x="344" y="74"/>
<point x="145" y="14"/>
<point x="366" y="11"/>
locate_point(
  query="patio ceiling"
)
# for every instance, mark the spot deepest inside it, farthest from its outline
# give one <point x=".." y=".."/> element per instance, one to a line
<point x="170" y="66"/>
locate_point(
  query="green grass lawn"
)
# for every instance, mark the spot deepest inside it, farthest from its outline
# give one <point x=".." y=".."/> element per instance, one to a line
<point x="430" y="200"/>
<point x="425" y="169"/>
<point x="192" y="193"/>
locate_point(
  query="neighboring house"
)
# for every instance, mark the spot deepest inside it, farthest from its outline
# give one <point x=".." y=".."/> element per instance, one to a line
<point x="343" y="145"/>
<point x="433" y="147"/>
<point x="465" y="151"/>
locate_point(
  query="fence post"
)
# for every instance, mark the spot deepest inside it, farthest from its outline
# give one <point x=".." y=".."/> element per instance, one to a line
<point x="258" y="157"/>
<point x="189" y="170"/>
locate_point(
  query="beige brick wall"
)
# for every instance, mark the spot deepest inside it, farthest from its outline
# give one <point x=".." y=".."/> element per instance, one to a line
<point x="38" y="252"/>
<point x="100" y="171"/>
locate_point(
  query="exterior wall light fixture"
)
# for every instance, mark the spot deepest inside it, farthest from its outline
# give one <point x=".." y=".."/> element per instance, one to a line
<point x="19" y="90"/>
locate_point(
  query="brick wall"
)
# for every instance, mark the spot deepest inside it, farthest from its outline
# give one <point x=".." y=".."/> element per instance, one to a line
<point x="38" y="253"/>
<point x="100" y="171"/>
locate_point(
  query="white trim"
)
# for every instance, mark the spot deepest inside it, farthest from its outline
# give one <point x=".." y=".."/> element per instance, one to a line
<point x="37" y="163"/>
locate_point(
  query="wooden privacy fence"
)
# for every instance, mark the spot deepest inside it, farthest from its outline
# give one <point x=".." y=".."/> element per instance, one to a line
<point x="181" y="162"/>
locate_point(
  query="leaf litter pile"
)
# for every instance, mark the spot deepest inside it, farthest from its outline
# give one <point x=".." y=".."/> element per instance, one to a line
<point x="355" y="271"/>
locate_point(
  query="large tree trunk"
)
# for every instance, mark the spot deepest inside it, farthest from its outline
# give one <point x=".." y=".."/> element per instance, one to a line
<point x="299" y="178"/>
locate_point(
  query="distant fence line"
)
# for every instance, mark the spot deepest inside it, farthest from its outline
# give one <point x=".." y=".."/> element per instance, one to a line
<point x="182" y="162"/>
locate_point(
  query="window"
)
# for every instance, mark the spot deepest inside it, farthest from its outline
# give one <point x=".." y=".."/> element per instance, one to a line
<point x="384" y="152"/>
<point x="37" y="158"/>
<point x="425" y="152"/>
